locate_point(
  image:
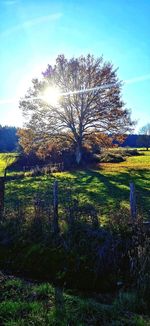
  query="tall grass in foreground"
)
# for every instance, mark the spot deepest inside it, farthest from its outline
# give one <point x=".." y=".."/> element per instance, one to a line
<point x="24" y="303"/>
<point x="82" y="253"/>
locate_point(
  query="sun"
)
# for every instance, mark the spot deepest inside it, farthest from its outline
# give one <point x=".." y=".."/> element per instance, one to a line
<point x="51" y="96"/>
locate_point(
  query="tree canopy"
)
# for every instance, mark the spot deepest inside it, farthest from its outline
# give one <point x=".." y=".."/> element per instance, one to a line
<point x="89" y="102"/>
<point x="144" y="137"/>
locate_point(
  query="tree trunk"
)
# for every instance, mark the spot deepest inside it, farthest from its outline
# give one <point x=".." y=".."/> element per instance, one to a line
<point x="78" y="154"/>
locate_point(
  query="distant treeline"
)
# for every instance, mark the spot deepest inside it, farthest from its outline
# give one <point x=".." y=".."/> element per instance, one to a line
<point x="131" y="141"/>
<point x="8" y="139"/>
<point x="137" y="141"/>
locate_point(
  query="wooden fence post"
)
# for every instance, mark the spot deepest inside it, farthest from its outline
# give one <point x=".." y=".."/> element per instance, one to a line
<point x="2" y="192"/>
<point x="55" y="205"/>
<point x="70" y="210"/>
<point x="133" y="208"/>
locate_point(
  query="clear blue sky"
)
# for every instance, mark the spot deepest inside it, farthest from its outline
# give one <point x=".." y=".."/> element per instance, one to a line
<point x="34" y="32"/>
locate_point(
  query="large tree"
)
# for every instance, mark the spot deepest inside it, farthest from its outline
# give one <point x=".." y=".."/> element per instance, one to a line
<point x="89" y="102"/>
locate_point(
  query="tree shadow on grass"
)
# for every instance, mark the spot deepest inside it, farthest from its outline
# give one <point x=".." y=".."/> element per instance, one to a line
<point x="106" y="190"/>
<point x="110" y="190"/>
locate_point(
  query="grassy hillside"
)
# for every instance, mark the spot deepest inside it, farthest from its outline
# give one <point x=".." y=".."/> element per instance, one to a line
<point x="141" y="162"/>
<point x="106" y="188"/>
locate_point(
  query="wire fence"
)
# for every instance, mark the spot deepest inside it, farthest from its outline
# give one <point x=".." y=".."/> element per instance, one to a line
<point x="41" y="201"/>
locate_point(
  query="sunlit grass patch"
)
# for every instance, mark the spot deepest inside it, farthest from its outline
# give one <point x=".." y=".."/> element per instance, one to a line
<point x="135" y="162"/>
<point x="6" y="159"/>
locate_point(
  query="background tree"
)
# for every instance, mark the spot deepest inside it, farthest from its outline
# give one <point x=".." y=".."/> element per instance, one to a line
<point x="89" y="101"/>
<point x="8" y="139"/>
<point x="144" y="137"/>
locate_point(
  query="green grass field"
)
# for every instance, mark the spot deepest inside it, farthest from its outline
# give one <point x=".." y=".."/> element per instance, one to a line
<point x="106" y="187"/>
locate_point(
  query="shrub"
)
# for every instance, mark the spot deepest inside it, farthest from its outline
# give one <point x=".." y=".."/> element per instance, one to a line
<point x="131" y="152"/>
<point x="108" y="157"/>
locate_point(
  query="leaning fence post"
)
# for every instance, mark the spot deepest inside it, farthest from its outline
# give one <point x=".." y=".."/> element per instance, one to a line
<point x="2" y="191"/>
<point x="133" y="208"/>
<point x="55" y="205"/>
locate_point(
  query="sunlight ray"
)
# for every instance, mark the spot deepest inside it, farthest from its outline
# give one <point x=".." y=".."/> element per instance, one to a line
<point x="105" y="86"/>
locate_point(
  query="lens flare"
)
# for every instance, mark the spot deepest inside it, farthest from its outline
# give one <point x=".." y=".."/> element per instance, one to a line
<point x="51" y="96"/>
